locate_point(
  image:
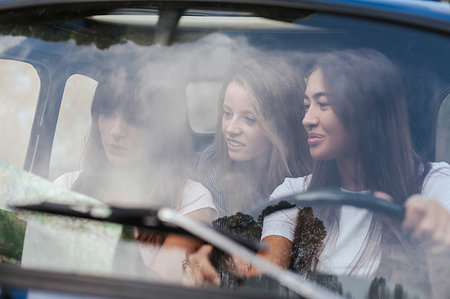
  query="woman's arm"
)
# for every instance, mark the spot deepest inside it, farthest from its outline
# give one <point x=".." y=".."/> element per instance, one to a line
<point x="169" y="261"/>
<point x="200" y="270"/>
<point x="278" y="251"/>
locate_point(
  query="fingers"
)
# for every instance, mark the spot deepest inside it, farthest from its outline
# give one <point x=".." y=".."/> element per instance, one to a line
<point x="383" y="195"/>
<point x="428" y="221"/>
<point x="206" y="270"/>
<point x="198" y="269"/>
<point x="415" y="211"/>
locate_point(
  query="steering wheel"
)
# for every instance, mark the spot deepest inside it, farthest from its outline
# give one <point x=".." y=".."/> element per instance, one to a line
<point x="312" y="199"/>
<point x="331" y="198"/>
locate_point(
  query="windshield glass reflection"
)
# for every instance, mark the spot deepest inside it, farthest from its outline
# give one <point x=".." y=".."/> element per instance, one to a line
<point x="279" y="114"/>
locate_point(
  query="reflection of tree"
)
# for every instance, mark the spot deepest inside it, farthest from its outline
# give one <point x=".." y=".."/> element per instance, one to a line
<point x="240" y="225"/>
<point x="379" y="290"/>
<point x="308" y="241"/>
<point x="12" y="233"/>
<point x="309" y="236"/>
<point x="83" y="32"/>
<point x="329" y="281"/>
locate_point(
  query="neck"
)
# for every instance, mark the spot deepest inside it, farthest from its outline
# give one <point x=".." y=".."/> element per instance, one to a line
<point x="350" y="173"/>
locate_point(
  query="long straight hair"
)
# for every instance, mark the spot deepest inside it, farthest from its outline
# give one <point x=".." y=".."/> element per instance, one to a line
<point x="275" y="90"/>
<point x="365" y="91"/>
<point x="160" y="109"/>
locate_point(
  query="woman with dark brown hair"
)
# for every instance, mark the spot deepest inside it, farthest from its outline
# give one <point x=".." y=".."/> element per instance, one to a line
<point x="358" y="135"/>
<point x="138" y="155"/>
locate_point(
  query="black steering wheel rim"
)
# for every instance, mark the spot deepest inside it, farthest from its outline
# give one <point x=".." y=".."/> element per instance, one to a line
<point x="331" y="198"/>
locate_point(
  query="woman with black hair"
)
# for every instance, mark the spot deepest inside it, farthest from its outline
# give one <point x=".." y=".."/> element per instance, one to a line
<point x="358" y="135"/>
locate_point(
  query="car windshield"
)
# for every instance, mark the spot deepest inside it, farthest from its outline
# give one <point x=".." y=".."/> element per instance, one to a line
<point x="303" y="129"/>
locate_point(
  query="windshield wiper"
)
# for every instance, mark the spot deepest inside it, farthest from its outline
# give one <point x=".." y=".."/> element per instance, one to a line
<point x="146" y="218"/>
<point x="167" y="219"/>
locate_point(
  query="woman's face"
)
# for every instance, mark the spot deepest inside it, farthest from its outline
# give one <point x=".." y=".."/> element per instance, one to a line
<point x="327" y="137"/>
<point x="244" y="136"/>
<point x="122" y="138"/>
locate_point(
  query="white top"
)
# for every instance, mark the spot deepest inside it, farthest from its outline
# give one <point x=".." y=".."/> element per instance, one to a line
<point x="195" y="197"/>
<point x="80" y="245"/>
<point x="339" y="255"/>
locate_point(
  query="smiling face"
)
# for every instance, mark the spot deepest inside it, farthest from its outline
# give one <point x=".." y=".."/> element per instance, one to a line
<point x="327" y="137"/>
<point x="122" y="138"/>
<point x="244" y="135"/>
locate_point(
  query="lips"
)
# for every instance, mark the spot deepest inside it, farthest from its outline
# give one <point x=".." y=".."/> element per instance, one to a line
<point x="314" y="138"/>
<point x="115" y="148"/>
<point x="234" y="144"/>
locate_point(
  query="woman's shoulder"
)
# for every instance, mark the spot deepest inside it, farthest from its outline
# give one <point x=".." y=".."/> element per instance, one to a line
<point x="206" y="155"/>
<point x="436" y="183"/>
<point x="291" y="186"/>
<point x="195" y="196"/>
<point x="440" y="166"/>
<point x="438" y="171"/>
<point x="194" y="187"/>
<point x="206" y="168"/>
<point x="67" y="179"/>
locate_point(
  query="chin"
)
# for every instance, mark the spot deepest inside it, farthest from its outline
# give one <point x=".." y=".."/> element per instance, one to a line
<point x="237" y="157"/>
<point x="321" y="156"/>
<point x="115" y="161"/>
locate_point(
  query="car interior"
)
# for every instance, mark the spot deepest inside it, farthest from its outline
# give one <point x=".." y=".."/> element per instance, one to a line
<point x="53" y="58"/>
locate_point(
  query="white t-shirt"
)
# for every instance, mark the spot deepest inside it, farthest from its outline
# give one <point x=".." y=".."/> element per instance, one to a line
<point x="339" y="255"/>
<point x="195" y="197"/>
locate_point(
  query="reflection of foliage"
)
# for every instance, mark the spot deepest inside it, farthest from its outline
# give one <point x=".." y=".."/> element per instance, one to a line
<point x="379" y="290"/>
<point x="12" y="234"/>
<point x="41" y="22"/>
<point x="242" y="226"/>
<point x="273" y="208"/>
<point x="309" y="236"/>
<point x="308" y="241"/>
<point x="328" y="281"/>
<point x="83" y="32"/>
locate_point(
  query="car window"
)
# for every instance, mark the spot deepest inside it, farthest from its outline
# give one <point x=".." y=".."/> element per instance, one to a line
<point x="20" y="87"/>
<point x="128" y="118"/>
<point x="202" y="100"/>
<point x="72" y="129"/>
<point x="443" y="137"/>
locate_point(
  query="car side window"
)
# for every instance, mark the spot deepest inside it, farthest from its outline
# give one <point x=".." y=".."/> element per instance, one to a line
<point x="73" y="125"/>
<point x="443" y="131"/>
<point x="19" y="92"/>
<point x="202" y="98"/>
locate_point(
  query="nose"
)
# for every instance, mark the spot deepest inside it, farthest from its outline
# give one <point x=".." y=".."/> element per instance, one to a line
<point x="310" y="119"/>
<point x="232" y="127"/>
<point x="118" y="127"/>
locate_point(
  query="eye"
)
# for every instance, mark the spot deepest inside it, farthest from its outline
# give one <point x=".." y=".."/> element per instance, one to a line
<point x="306" y="107"/>
<point x="107" y="113"/>
<point x="135" y="120"/>
<point x="306" y="104"/>
<point x="324" y="105"/>
<point x="226" y="114"/>
<point x="250" y="120"/>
